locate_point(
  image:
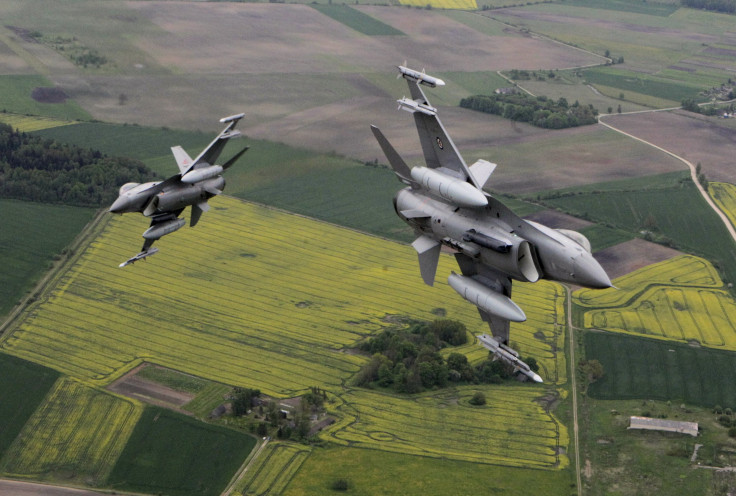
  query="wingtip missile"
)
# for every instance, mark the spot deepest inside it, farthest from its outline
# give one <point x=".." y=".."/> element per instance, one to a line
<point x="420" y="77"/>
<point x="232" y="118"/>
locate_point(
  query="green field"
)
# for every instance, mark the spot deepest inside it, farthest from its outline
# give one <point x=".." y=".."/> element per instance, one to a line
<point x="22" y="389"/>
<point x="357" y="20"/>
<point x="370" y="472"/>
<point x="691" y="226"/>
<point x="651" y="369"/>
<point x="76" y="435"/>
<point x="634" y="6"/>
<point x="628" y="81"/>
<point x="15" y="97"/>
<point x="602" y="237"/>
<point x="174" y="454"/>
<point x="31" y="235"/>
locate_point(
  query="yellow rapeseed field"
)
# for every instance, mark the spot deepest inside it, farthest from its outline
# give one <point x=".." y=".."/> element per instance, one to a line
<point x="724" y="194"/>
<point x="29" y="124"/>
<point x="679" y="299"/>
<point x="77" y="433"/>
<point x="273" y="469"/>
<point x="511" y="429"/>
<point x="252" y="297"/>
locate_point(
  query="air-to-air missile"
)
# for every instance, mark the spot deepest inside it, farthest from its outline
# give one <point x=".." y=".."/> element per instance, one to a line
<point x="446" y="205"/>
<point x="198" y="181"/>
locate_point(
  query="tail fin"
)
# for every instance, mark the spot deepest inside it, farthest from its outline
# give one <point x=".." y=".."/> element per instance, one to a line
<point x="439" y="150"/>
<point x="210" y="154"/>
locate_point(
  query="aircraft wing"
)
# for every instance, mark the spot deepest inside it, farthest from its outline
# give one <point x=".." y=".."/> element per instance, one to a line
<point x="494" y="280"/>
<point x="439" y="150"/>
<point x="210" y="154"/>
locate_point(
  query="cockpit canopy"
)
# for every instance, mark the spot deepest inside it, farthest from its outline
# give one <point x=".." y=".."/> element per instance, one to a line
<point x="127" y="187"/>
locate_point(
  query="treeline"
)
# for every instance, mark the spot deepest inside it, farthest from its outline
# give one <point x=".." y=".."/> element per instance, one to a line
<point x="407" y="360"/>
<point x="728" y="6"/>
<point x="540" y="111"/>
<point x="42" y="170"/>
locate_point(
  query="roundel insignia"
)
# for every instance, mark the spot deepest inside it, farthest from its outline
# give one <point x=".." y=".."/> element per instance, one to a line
<point x="439" y="143"/>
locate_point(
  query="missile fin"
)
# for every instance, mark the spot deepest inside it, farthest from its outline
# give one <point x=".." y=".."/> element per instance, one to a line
<point x="429" y="256"/>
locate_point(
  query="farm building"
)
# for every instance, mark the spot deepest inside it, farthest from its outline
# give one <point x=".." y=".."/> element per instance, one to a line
<point x="654" y="424"/>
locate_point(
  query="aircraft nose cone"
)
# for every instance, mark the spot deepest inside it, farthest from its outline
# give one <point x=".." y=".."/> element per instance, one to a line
<point x="119" y="205"/>
<point x="589" y="273"/>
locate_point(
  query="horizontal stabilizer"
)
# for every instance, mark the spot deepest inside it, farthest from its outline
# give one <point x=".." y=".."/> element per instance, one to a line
<point x="481" y="171"/>
<point x="394" y="159"/>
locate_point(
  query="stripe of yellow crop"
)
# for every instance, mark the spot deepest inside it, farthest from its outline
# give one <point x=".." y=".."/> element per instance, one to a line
<point x="685" y="270"/>
<point x="78" y="430"/>
<point x="29" y="124"/>
<point x="273" y="469"/>
<point x="253" y="297"/>
<point x="724" y="195"/>
<point x="510" y="430"/>
<point x="683" y="314"/>
<point x="443" y="4"/>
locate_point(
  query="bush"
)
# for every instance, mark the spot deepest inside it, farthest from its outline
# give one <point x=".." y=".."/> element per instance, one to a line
<point x="478" y="399"/>
<point x="340" y="484"/>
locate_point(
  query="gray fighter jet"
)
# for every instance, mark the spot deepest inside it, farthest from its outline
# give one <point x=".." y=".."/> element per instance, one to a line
<point x="198" y="181"/>
<point x="446" y="205"/>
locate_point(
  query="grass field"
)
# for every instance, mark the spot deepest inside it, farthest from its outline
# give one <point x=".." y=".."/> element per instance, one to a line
<point x="174" y="454"/>
<point x="267" y="288"/>
<point x="515" y="432"/>
<point x="680" y="299"/>
<point x="370" y="472"/>
<point x="632" y="462"/>
<point x="274" y="468"/>
<point x="651" y="369"/>
<point x="15" y="97"/>
<point x="628" y="81"/>
<point x="31" y="234"/>
<point x="77" y="435"/>
<point x="692" y="226"/>
<point x="357" y="20"/>
<point x="22" y="389"/>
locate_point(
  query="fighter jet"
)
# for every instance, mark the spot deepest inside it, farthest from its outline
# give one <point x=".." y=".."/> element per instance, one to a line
<point x="198" y="180"/>
<point x="447" y="206"/>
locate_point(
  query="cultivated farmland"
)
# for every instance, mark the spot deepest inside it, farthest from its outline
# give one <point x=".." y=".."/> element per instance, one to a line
<point x="724" y="195"/>
<point x="652" y="369"/>
<point x="23" y="387"/>
<point x="173" y="454"/>
<point x="679" y="299"/>
<point x="273" y="469"/>
<point x="511" y="430"/>
<point x="78" y="432"/>
<point x="286" y="295"/>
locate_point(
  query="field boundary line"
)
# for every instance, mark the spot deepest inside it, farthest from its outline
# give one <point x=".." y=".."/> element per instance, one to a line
<point x="244" y="468"/>
<point x="693" y="175"/>
<point x="53" y="275"/>
<point x="573" y="383"/>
